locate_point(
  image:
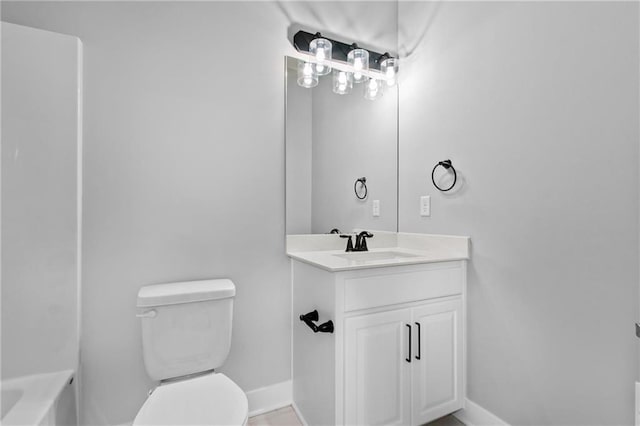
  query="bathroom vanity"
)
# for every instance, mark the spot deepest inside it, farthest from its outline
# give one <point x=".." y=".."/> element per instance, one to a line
<point x="396" y="355"/>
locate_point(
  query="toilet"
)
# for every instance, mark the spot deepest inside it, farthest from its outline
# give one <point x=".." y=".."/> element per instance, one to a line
<point x="186" y="334"/>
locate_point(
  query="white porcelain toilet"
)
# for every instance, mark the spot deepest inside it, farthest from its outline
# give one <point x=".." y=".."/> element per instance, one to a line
<point x="186" y="333"/>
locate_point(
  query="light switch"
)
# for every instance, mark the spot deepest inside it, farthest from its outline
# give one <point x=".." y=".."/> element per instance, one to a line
<point x="376" y="208"/>
<point x="425" y="205"/>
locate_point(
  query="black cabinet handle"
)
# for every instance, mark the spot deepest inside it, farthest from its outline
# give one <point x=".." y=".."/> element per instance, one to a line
<point x="408" y="359"/>
<point x="418" y="356"/>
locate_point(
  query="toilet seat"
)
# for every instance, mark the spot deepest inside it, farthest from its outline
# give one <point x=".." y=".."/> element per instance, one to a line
<point x="212" y="399"/>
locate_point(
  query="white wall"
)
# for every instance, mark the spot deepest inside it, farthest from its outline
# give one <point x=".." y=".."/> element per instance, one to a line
<point x="184" y="170"/>
<point x="40" y="143"/>
<point x="537" y="106"/>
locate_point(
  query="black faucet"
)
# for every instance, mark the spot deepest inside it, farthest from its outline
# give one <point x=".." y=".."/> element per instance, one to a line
<point x="349" y="242"/>
<point x="361" y="241"/>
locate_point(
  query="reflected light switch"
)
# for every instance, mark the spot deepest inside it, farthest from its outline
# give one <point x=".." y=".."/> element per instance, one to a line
<point x="376" y="208"/>
<point x="425" y="205"/>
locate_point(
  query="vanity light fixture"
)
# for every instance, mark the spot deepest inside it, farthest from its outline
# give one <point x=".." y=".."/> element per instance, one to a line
<point x="307" y="76"/>
<point x="373" y="89"/>
<point x="349" y="63"/>
<point x="342" y="82"/>
<point x="389" y="68"/>
<point x="320" y="48"/>
<point x="359" y="60"/>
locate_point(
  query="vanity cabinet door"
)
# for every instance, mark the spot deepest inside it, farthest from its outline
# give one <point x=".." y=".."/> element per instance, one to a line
<point x="437" y="361"/>
<point x="377" y="375"/>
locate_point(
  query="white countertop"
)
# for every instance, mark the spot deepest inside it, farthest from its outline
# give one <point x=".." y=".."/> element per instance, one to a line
<point x="389" y="249"/>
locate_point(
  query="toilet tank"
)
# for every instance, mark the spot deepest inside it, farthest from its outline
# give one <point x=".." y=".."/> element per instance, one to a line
<point x="186" y="326"/>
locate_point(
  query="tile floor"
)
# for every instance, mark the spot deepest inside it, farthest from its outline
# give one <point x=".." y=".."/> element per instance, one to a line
<point x="446" y="421"/>
<point x="281" y="417"/>
<point x="287" y="417"/>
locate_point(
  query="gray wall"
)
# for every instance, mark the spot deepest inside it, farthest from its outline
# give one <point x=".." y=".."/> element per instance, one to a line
<point x="173" y="173"/>
<point x="298" y="151"/>
<point x="184" y="170"/>
<point x="354" y="137"/>
<point x="40" y="145"/>
<point x="537" y="106"/>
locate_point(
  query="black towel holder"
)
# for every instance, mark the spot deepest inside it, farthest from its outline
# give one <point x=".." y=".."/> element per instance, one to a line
<point x="363" y="184"/>
<point x="446" y="164"/>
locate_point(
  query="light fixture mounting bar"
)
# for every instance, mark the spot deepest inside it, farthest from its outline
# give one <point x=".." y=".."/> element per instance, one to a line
<point x="302" y="40"/>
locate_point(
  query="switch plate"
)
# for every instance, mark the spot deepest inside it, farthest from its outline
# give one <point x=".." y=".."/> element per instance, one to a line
<point x="376" y="208"/>
<point x="425" y="205"/>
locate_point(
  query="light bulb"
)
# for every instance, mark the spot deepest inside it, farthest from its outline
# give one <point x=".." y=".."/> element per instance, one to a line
<point x="321" y="49"/>
<point x="342" y="82"/>
<point x="306" y="75"/>
<point x="373" y="89"/>
<point x="359" y="60"/>
<point x="389" y="67"/>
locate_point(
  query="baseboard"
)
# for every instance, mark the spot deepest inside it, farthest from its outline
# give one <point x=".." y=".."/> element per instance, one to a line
<point x="270" y="398"/>
<point x="299" y="414"/>
<point x="637" y="404"/>
<point x="474" y="415"/>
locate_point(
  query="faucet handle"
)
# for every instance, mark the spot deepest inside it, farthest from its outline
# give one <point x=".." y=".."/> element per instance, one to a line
<point x="361" y="241"/>
<point x="349" y="242"/>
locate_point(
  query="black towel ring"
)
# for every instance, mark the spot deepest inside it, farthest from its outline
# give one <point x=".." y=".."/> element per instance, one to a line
<point x="447" y="165"/>
<point x="363" y="184"/>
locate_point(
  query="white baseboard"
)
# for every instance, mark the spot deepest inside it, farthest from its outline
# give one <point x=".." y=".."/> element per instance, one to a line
<point x="270" y="398"/>
<point x="637" y="404"/>
<point x="474" y="415"/>
<point x="299" y="414"/>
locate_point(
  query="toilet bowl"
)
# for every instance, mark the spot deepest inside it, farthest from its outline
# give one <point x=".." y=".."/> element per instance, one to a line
<point x="211" y="399"/>
<point x="186" y="334"/>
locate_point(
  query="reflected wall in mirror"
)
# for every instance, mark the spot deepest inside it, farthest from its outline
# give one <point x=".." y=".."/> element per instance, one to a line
<point x="331" y="141"/>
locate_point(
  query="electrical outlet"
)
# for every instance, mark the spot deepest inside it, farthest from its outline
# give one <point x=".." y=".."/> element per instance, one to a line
<point x="376" y="208"/>
<point x="425" y="205"/>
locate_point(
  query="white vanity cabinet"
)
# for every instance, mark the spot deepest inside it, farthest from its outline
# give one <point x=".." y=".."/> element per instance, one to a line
<point x="396" y="356"/>
<point x="403" y="366"/>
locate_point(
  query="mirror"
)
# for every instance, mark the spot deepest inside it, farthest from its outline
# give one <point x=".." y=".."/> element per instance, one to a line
<point x="331" y="141"/>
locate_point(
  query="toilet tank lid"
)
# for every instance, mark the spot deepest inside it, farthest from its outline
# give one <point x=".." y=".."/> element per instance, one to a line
<point x="185" y="292"/>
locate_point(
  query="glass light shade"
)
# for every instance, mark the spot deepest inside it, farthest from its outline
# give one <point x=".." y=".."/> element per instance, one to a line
<point x="359" y="60"/>
<point x="307" y="76"/>
<point x="320" y="48"/>
<point x="389" y="68"/>
<point x="373" y="89"/>
<point x="342" y="82"/>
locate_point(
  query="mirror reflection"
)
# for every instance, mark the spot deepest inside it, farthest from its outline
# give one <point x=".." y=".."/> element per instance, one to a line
<point x="341" y="157"/>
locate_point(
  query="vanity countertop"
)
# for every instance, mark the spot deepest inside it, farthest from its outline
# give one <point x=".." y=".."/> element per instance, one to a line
<point x="389" y="249"/>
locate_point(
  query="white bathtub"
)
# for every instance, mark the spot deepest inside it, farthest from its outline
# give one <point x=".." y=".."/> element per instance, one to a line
<point x="42" y="399"/>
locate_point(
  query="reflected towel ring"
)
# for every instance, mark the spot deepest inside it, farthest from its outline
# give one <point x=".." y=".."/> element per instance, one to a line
<point x="363" y="184"/>
<point x="447" y="165"/>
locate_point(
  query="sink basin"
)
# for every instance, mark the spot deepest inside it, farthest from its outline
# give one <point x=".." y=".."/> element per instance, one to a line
<point x="371" y="256"/>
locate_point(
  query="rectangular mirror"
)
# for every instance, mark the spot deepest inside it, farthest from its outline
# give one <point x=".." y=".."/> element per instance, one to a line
<point x="331" y="141"/>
